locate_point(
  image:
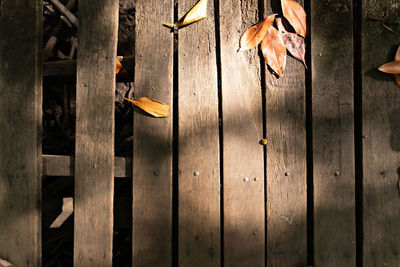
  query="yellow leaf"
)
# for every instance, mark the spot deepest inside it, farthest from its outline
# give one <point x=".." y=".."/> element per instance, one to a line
<point x="198" y="12"/>
<point x="253" y="36"/>
<point x="296" y="15"/>
<point x="118" y="67"/>
<point x="274" y="51"/>
<point x="120" y="70"/>
<point x="151" y="106"/>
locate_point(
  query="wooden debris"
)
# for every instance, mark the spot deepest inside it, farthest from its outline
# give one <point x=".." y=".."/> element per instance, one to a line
<point x="4" y="263"/>
<point x="67" y="210"/>
<point x="65" y="11"/>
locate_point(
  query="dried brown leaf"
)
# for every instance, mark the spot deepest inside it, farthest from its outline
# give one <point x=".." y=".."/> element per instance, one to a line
<point x="198" y="12"/>
<point x="296" y="15"/>
<point x="274" y="51"/>
<point x="151" y="106"/>
<point x="294" y="43"/>
<point x="391" y="67"/>
<point x="253" y="36"/>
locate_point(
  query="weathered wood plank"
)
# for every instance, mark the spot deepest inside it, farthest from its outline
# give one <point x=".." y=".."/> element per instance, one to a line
<point x="199" y="172"/>
<point x="244" y="217"/>
<point x="55" y="165"/>
<point x="381" y="142"/>
<point x="20" y="139"/>
<point x="152" y="144"/>
<point x="333" y="133"/>
<point x="94" y="156"/>
<point x="286" y="165"/>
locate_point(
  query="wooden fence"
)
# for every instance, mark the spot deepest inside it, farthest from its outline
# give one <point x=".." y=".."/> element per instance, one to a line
<point x="323" y="191"/>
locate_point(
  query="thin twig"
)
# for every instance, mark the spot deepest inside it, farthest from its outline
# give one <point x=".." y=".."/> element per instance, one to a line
<point x="389" y="29"/>
<point x="383" y="18"/>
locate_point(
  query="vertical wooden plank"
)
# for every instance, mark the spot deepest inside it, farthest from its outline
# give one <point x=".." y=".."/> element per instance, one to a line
<point x="199" y="172"/>
<point x="20" y="138"/>
<point x="286" y="165"/>
<point x="244" y="217"/>
<point x="94" y="156"/>
<point x="152" y="145"/>
<point x="381" y="138"/>
<point x="333" y="132"/>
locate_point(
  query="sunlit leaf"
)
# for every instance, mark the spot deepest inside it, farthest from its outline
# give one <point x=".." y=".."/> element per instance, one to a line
<point x="118" y="67"/>
<point x="294" y="43"/>
<point x="296" y="15"/>
<point x="391" y="67"/>
<point x="151" y="106"/>
<point x="274" y="51"/>
<point x="253" y="36"/>
<point x="120" y="70"/>
<point x="198" y="12"/>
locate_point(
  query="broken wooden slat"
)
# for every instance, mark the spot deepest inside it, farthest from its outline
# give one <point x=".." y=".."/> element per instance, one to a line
<point x="94" y="156"/>
<point x="243" y="181"/>
<point x="333" y="133"/>
<point x="21" y="32"/>
<point x="199" y="165"/>
<point x="54" y="165"/>
<point x="67" y="210"/>
<point x="381" y="138"/>
<point x="152" y="144"/>
<point x="4" y="263"/>
<point x="286" y="165"/>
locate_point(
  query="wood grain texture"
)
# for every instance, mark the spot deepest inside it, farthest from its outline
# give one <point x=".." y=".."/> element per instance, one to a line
<point x="199" y="196"/>
<point x="55" y="165"/>
<point x="286" y="165"/>
<point x="381" y="142"/>
<point x="94" y="156"/>
<point x="333" y="133"/>
<point x="20" y="138"/>
<point x="244" y="206"/>
<point x="152" y="144"/>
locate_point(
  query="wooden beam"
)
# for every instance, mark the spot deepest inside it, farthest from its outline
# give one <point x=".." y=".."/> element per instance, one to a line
<point x="380" y="138"/>
<point x="68" y="67"/>
<point x="94" y="153"/>
<point x="152" y="144"/>
<point x="333" y="133"/>
<point x="243" y="162"/>
<point x="54" y="165"/>
<point x="199" y="164"/>
<point x="286" y="164"/>
<point x="21" y="31"/>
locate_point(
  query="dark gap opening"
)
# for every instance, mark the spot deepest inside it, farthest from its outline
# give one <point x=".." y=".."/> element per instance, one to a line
<point x="122" y="235"/>
<point x="261" y="12"/>
<point x="175" y="148"/>
<point x="358" y="150"/>
<point x="309" y="145"/>
<point x="221" y="128"/>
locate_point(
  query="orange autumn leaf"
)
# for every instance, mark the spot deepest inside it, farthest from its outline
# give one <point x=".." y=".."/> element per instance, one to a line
<point x="118" y="66"/>
<point x="151" y="106"/>
<point x="397" y="58"/>
<point x="391" y="67"/>
<point x="274" y="51"/>
<point x="253" y="36"/>
<point x="198" y="12"/>
<point x="296" y="15"/>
